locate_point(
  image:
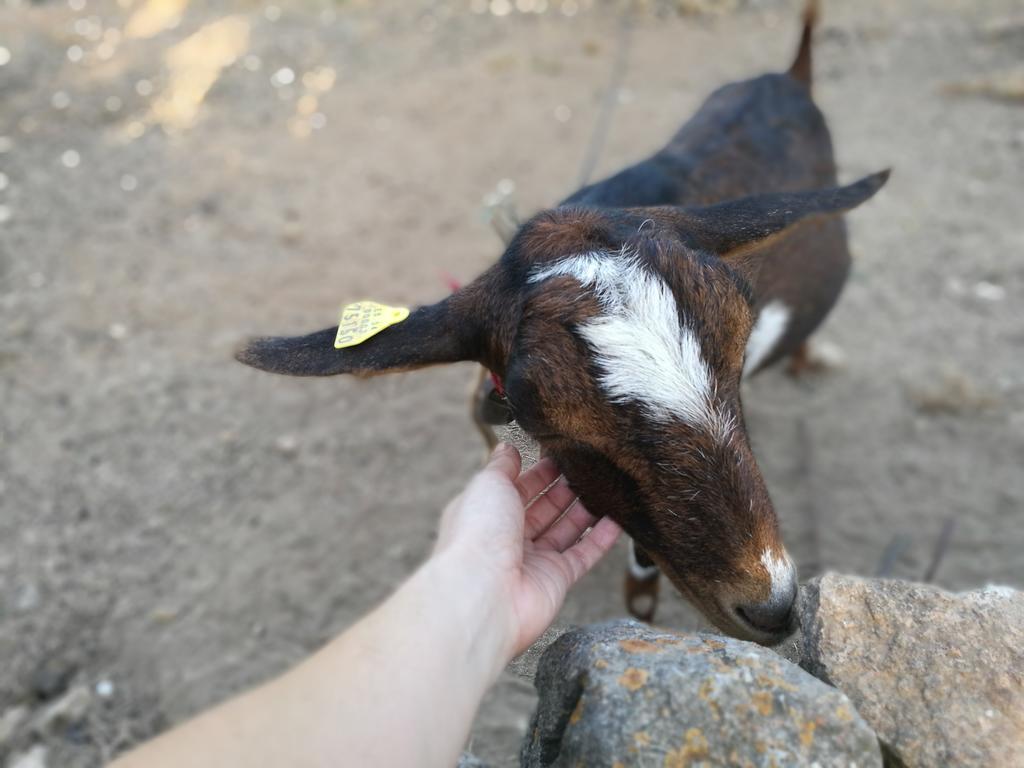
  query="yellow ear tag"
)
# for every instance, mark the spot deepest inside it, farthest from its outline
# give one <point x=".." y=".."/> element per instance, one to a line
<point x="363" y="319"/>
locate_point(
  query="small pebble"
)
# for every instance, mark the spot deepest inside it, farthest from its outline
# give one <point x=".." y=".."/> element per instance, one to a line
<point x="117" y="331"/>
<point x="50" y="679"/>
<point x="287" y="444"/>
<point x="60" y="100"/>
<point x="987" y="291"/>
<point x="5" y="56"/>
<point x="70" y="158"/>
<point x="104" y="689"/>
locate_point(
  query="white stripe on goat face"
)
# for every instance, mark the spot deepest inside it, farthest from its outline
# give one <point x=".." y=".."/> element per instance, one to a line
<point x="782" y="574"/>
<point x="646" y="354"/>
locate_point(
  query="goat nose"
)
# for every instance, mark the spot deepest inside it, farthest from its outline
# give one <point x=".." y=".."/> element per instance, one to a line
<point x="774" y="616"/>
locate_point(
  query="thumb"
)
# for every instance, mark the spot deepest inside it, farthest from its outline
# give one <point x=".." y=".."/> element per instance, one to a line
<point x="505" y="460"/>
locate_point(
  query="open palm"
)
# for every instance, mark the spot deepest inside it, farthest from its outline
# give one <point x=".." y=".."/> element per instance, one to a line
<point x="530" y="534"/>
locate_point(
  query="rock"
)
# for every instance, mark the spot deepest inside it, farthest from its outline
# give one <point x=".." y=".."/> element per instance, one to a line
<point x="10" y="725"/>
<point x="939" y="676"/>
<point x="69" y="709"/>
<point x="32" y="758"/>
<point x="50" y="678"/>
<point x="624" y="693"/>
<point x="287" y="445"/>
<point x="525" y="664"/>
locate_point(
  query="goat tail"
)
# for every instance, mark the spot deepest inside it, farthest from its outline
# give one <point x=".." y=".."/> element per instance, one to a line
<point x="801" y="67"/>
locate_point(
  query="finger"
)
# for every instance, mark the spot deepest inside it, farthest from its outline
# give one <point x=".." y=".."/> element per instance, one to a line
<point x="567" y="529"/>
<point x="546" y="509"/>
<point x="536" y="479"/>
<point x="504" y="460"/>
<point x="595" y="544"/>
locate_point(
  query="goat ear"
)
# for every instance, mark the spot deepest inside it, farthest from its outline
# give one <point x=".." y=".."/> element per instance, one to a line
<point x="737" y="228"/>
<point x="446" y="332"/>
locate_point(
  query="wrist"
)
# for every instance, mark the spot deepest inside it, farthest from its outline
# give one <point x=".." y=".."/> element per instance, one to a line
<point x="474" y="602"/>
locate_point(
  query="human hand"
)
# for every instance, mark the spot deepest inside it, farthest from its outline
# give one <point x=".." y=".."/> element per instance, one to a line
<point x="528" y="554"/>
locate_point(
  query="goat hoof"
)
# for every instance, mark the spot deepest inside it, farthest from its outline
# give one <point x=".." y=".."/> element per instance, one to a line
<point x="642" y="598"/>
<point x="642" y="608"/>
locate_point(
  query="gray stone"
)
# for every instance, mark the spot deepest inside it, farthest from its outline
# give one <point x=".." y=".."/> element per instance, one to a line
<point x="525" y="664"/>
<point x="623" y="694"/>
<point x="50" y="678"/>
<point x="939" y="676"/>
<point x="69" y="709"/>
<point x="32" y="758"/>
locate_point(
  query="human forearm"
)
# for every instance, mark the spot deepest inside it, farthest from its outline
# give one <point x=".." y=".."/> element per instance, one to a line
<point x="423" y="660"/>
<point x="399" y="688"/>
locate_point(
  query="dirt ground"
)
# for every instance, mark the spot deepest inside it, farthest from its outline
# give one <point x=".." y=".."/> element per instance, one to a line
<point x="179" y="527"/>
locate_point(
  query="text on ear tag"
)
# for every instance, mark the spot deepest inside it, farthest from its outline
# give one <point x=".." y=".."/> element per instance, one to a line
<point x="363" y="319"/>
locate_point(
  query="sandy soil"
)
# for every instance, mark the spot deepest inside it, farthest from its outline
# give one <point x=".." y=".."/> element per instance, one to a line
<point x="182" y="527"/>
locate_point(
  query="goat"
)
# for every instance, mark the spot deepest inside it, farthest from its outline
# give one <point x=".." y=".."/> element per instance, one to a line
<point x="621" y="322"/>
